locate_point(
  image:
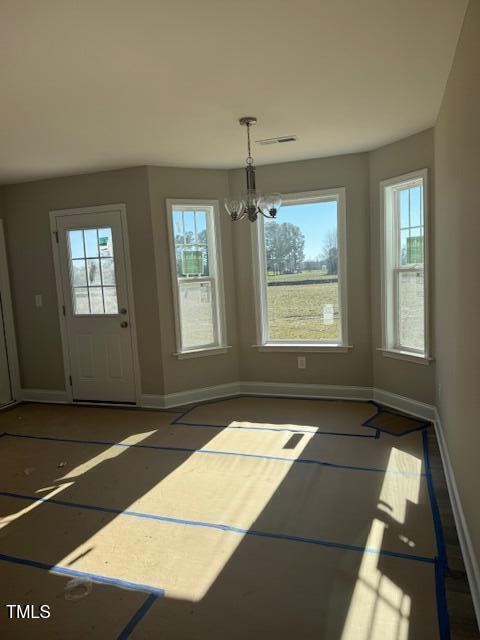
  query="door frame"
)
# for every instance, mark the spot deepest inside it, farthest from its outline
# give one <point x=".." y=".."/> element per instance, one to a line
<point x="8" y="322"/>
<point x="106" y="208"/>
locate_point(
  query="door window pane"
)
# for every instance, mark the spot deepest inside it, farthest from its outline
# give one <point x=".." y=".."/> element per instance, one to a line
<point x="96" y="299"/>
<point x="77" y="249"/>
<point x="93" y="271"/>
<point x="108" y="271"/>
<point x="81" y="304"/>
<point x="91" y="243"/>
<point x="110" y="299"/>
<point x="92" y="278"/>
<point x="79" y="275"/>
<point x="105" y="243"/>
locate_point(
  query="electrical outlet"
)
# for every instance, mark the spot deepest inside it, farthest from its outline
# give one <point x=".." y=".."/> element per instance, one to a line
<point x="301" y="362"/>
<point x="38" y="300"/>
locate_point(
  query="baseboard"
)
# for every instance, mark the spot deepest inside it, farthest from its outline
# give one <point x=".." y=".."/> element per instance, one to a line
<point x="406" y="405"/>
<point x="44" y="395"/>
<point x="279" y="389"/>
<point x="468" y="552"/>
<point x="191" y="396"/>
<point x="287" y="390"/>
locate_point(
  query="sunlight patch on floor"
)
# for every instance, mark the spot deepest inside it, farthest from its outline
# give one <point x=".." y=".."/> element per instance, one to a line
<point x="110" y="453"/>
<point x="190" y="567"/>
<point x="398" y="491"/>
<point x="379" y="608"/>
<point x="14" y="516"/>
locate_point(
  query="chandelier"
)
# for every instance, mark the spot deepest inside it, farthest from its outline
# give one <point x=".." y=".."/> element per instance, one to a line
<point x="250" y="203"/>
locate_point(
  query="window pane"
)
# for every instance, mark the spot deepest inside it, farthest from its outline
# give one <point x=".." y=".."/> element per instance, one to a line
<point x="404" y="236"/>
<point x="105" y="243"/>
<point x="192" y="261"/>
<point x="196" y="314"/>
<point x="88" y="276"/>
<point x="302" y="273"/>
<point x="404" y="208"/>
<point x="93" y="271"/>
<point x="110" y="297"/>
<point x="108" y="271"/>
<point x="201" y="227"/>
<point x="79" y="274"/>
<point x="303" y="311"/>
<point x="415" y="207"/>
<point x="80" y="301"/>
<point x="178" y="227"/>
<point x="410" y="310"/>
<point x="91" y="243"/>
<point x="189" y="227"/>
<point x="75" y="241"/>
<point x="96" y="299"/>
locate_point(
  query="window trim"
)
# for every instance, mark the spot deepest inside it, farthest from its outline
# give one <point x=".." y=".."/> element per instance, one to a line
<point x="219" y="346"/>
<point x="260" y="284"/>
<point x="389" y="263"/>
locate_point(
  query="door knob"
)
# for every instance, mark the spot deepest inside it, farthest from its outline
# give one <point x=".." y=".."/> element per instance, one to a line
<point x="123" y="311"/>
<point x="124" y="324"/>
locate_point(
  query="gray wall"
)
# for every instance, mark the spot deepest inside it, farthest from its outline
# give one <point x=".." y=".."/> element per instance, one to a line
<point x="144" y="190"/>
<point x="409" y="379"/>
<point x="26" y="209"/>
<point x="355" y="367"/>
<point x="457" y="267"/>
<point x="210" y="370"/>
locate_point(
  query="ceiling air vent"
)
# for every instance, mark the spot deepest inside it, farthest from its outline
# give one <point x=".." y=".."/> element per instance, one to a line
<point x="277" y="140"/>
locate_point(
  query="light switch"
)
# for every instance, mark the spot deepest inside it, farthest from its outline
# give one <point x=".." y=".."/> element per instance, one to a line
<point x="38" y="300"/>
<point x="302" y="362"/>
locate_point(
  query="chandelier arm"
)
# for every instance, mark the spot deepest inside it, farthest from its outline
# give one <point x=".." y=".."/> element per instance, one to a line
<point x="266" y="215"/>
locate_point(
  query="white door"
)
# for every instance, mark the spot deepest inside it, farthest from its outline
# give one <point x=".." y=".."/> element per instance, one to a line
<point x="96" y="306"/>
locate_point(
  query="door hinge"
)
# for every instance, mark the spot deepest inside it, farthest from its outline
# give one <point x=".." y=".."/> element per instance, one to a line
<point x="70" y="380"/>
<point x="63" y="309"/>
<point x="55" y="233"/>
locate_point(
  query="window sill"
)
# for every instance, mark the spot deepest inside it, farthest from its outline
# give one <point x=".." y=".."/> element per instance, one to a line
<point x="303" y="348"/>
<point x="405" y="355"/>
<point x="200" y="353"/>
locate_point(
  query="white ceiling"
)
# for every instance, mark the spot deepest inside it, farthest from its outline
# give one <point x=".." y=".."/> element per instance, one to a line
<point x="100" y="84"/>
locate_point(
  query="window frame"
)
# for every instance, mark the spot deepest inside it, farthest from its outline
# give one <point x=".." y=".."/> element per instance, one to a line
<point x="215" y="278"/>
<point x="391" y="267"/>
<point x="260" y="280"/>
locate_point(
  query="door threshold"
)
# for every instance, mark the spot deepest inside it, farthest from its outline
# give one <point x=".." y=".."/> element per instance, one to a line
<point x="104" y="403"/>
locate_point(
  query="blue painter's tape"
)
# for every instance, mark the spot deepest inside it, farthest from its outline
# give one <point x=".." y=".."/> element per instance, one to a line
<point x="224" y="527"/>
<point x="286" y="430"/>
<point x="442" y="553"/>
<point x="219" y="452"/>
<point x="55" y="568"/>
<point x="177" y="420"/>
<point x="137" y="617"/>
<point x="441" y="560"/>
